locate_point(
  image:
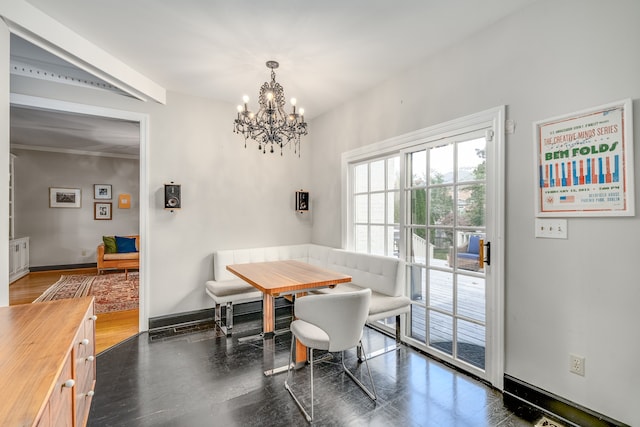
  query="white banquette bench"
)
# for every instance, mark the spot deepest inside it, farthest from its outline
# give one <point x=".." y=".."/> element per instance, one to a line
<point x="383" y="275"/>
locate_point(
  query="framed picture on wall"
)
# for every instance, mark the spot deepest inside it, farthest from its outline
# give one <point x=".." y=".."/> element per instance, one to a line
<point x="124" y="201"/>
<point x="102" y="210"/>
<point x="102" y="191"/>
<point x="64" y="197"/>
<point x="584" y="163"/>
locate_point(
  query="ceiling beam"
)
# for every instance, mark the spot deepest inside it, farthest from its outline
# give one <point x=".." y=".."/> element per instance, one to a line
<point x="34" y="26"/>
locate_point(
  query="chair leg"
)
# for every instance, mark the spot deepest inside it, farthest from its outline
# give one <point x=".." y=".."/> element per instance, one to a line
<point x="386" y="349"/>
<point x="373" y="395"/>
<point x="288" y="387"/>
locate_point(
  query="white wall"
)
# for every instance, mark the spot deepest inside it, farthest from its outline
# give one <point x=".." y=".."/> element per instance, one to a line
<point x="232" y="198"/>
<point x="575" y="296"/>
<point x="60" y="236"/>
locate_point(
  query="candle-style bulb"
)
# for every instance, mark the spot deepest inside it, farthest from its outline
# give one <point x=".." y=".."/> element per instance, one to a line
<point x="240" y="108"/>
<point x="302" y="111"/>
<point x="293" y="101"/>
<point x="245" y="99"/>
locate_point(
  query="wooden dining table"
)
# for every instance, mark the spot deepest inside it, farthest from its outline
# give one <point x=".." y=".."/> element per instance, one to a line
<point x="278" y="278"/>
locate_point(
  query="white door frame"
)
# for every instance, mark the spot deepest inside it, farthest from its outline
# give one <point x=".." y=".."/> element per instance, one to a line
<point x="143" y="120"/>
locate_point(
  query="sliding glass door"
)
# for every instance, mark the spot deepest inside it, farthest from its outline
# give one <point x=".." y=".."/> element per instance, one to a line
<point x="445" y="237"/>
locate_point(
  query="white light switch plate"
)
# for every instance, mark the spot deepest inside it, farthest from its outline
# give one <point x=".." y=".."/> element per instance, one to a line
<point x="551" y="228"/>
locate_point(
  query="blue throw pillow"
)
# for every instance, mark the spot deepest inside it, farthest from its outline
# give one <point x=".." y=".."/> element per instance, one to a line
<point x="126" y="244"/>
<point x="474" y="245"/>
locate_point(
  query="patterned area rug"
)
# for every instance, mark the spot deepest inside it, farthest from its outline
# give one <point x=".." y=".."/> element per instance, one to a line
<point x="112" y="291"/>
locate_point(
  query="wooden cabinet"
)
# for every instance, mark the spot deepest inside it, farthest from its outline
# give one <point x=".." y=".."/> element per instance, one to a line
<point x="47" y="363"/>
<point x="18" y="258"/>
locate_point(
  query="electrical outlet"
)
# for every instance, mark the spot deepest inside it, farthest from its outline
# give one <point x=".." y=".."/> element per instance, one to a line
<point x="576" y="364"/>
<point x="551" y="228"/>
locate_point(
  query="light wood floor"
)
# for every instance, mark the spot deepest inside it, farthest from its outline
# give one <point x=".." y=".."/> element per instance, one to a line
<point x="111" y="328"/>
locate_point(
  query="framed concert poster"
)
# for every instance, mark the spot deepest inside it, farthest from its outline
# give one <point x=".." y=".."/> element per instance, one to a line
<point x="584" y="163"/>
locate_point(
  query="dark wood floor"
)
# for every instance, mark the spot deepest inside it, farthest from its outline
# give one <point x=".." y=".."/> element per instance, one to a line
<point x="205" y="379"/>
<point x="111" y="328"/>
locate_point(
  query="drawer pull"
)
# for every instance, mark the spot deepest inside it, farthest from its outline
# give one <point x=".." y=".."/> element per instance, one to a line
<point x="69" y="383"/>
<point x="90" y="359"/>
<point x="94" y="317"/>
<point x="90" y="393"/>
<point x="85" y="341"/>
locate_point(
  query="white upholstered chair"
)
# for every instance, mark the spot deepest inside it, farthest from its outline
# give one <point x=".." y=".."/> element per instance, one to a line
<point x="333" y="323"/>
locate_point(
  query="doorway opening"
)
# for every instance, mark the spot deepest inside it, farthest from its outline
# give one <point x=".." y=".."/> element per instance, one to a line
<point x="92" y="113"/>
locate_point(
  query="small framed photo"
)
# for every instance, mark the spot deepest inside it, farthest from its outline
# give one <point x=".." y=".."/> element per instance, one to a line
<point x="124" y="201"/>
<point x="64" y="197"/>
<point x="102" y="191"/>
<point x="102" y="210"/>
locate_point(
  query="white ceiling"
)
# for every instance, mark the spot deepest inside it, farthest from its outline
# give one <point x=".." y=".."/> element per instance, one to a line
<point x="47" y="130"/>
<point x="329" y="51"/>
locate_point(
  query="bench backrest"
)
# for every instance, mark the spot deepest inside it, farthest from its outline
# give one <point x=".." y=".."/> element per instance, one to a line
<point x="381" y="274"/>
<point x="313" y="254"/>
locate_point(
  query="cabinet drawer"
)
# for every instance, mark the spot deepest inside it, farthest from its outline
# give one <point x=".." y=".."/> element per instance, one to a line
<point x="85" y="366"/>
<point x="84" y="396"/>
<point x="85" y="369"/>
<point x="61" y="402"/>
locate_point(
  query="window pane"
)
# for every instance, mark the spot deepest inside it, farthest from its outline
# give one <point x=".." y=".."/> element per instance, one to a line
<point x="471" y="343"/>
<point x="360" y="178"/>
<point x="418" y="285"/>
<point x="441" y="241"/>
<point x="361" y="208"/>
<point x="441" y="290"/>
<point x="393" y="241"/>
<point x="468" y="250"/>
<point x="418" y="168"/>
<point x="441" y="205"/>
<point x="471" y="298"/>
<point x="393" y="207"/>
<point x="377" y="239"/>
<point x="393" y="173"/>
<point x="418" y="246"/>
<point x="418" y="207"/>
<point x="471" y="205"/>
<point x="361" y="238"/>
<point x="418" y="325"/>
<point x="377" y="208"/>
<point x="471" y="160"/>
<point x="377" y="175"/>
<point x="441" y="164"/>
<point x="441" y="331"/>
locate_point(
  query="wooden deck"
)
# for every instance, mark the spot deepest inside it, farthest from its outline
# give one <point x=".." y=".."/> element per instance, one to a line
<point x="470" y="315"/>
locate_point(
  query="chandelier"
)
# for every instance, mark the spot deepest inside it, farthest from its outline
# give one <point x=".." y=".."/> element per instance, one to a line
<point x="271" y="125"/>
